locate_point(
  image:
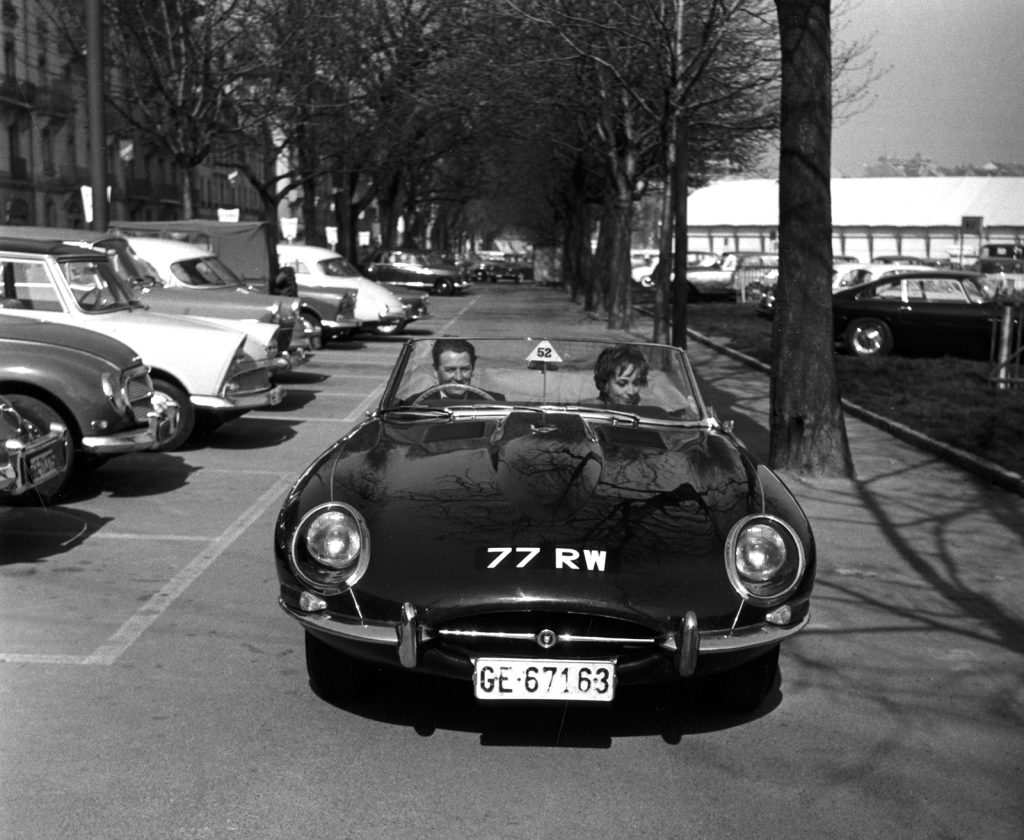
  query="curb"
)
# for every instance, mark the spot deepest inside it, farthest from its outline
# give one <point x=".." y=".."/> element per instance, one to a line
<point x="993" y="473"/>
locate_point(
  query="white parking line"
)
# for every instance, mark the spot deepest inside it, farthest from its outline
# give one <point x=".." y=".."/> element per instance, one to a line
<point x="136" y="625"/>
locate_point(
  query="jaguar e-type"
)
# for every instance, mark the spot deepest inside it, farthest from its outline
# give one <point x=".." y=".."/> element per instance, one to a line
<point x="522" y="531"/>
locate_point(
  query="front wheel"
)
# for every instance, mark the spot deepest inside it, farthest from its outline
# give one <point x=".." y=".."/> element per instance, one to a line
<point x="869" y="337"/>
<point x="164" y="391"/>
<point x="42" y="415"/>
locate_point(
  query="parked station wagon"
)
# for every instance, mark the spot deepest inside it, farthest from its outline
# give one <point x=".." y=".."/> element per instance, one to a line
<point x="212" y="373"/>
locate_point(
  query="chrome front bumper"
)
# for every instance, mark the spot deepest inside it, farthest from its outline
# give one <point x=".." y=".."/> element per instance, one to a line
<point x="162" y="423"/>
<point x="684" y="644"/>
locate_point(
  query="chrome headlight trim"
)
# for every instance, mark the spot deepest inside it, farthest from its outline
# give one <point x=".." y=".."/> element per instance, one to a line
<point x="316" y="573"/>
<point x="783" y="573"/>
<point x="115" y="392"/>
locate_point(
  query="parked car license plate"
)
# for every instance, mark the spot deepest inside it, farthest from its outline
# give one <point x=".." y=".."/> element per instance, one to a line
<point x="543" y="679"/>
<point x="43" y="466"/>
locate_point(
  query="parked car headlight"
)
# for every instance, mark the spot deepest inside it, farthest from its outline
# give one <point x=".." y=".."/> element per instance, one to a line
<point x="114" y="390"/>
<point x="330" y="549"/>
<point x="764" y="559"/>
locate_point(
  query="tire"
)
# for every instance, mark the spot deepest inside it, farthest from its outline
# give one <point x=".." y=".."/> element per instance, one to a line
<point x="742" y="690"/>
<point x="42" y="414"/>
<point x="445" y="287"/>
<point x="866" y="337"/>
<point x="162" y="389"/>
<point x="333" y="676"/>
<point x="390" y="329"/>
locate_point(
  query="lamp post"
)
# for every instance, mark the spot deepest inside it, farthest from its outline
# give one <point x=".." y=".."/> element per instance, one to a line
<point x="97" y="122"/>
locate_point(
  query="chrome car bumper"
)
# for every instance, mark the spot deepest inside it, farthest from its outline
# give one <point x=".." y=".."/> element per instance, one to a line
<point x="684" y="644"/>
<point x="245" y="402"/>
<point x="162" y="423"/>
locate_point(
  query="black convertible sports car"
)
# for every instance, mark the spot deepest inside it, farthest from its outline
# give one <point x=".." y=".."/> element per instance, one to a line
<point x="515" y="530"/>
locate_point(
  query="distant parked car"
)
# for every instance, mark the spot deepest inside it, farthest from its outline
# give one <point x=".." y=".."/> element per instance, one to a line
<point x="644" y="261"/>
<point x="925" y="312"/>
<point x="739" y="276"/>
<point x="94" y="385"/>
<point x="378" y="308"/>
<point x="490" y="269"/>
<point x="31" y="456"/>
<point x="185" y="272"/>
<point x="418" y="270"/>
<point x="203" y="368"/>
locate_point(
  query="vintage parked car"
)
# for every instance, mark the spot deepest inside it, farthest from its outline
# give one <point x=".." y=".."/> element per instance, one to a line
<point x="933" y="312"/>
<point x="211" y="373"/>
<point x="490" y="268"/>
<point x="31" y="456"/>
<point x="418" y="270"/>
<point x="190" y="280"/>
<point x="645" y="260"/>
<point x="740" y="276"/>
<point x="378" y="309"/>
<point x="515" y="532"/>
<point x="94" y="385"/>
<point x="252" y="314"/>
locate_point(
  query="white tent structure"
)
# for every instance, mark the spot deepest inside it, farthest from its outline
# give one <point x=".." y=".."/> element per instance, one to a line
<point x="871" y="217"/>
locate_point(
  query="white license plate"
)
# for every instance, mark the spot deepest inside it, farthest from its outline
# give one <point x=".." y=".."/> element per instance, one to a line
<point x="543" y="679"/>
<point x="43" y="465"/>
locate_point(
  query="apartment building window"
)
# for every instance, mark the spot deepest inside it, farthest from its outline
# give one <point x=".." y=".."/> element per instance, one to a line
<point x="46" y="144"/>
<point x="10" y="60"/>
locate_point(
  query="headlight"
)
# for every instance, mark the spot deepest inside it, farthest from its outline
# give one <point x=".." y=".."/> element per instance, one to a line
<point x="330" y="549"/>
<point x="764" y="559"/>
<point x="113" y="388"/>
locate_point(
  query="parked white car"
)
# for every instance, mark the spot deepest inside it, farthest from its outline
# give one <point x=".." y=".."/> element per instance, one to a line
<point x="316" y="269"/>
<point x="193" y="281"/>
<point x="203" y="368"/>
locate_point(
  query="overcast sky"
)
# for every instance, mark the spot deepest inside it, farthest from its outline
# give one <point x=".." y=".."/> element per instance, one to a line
<point x="955" y="88"/>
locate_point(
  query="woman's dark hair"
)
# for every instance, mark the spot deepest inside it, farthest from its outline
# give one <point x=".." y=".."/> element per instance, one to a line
<point x="614" y="360"/>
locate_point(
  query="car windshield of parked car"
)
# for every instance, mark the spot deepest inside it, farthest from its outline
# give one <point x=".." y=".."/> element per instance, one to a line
<point x="338" y="267"/>
<point x="95" y="285"/>
<point x="205" y="272"/>
<point x="556" y="374"/>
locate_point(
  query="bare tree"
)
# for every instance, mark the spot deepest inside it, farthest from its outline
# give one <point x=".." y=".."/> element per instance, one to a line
<point x="808" y="434"/>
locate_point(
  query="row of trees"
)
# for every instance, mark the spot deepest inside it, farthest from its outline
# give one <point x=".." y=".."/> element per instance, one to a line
<point x="462" y="117"/>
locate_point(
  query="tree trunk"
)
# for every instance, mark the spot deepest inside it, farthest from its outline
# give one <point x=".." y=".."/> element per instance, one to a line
<point x="808" y="434"/>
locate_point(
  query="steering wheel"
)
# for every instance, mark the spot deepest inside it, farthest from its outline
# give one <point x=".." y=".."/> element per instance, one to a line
<point x="441" y="389"/>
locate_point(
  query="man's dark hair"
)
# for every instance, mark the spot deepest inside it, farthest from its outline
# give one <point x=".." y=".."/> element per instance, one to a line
<point x="453" y="345"/>
<point x="613" y="360"/>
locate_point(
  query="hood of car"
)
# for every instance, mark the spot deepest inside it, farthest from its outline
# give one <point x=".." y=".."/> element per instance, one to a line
<point x="68" y="337"/>
<point x="533" y="508"/>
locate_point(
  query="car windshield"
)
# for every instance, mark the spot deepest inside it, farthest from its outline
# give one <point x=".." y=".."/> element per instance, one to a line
<point x="95" y="285"/>
<point x="338" y="267"/>
<point x="205" y="272"/>
<point x="556" y="374"/>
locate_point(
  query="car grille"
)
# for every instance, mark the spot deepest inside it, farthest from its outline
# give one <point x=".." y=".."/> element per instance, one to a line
<point x="516" y="633"/>
<point x="251" y="381"/>
<point x="139" y="388"/>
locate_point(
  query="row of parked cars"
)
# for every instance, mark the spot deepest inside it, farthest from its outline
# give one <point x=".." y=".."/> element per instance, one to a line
<point x="112" y="343"/>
